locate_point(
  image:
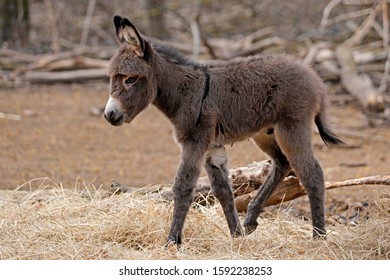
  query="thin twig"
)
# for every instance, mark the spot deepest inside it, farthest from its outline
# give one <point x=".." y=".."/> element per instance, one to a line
<point x="313" y="50"/>
<point x="208" y="46"/>
<point x="196" y="38"/>
<point x="364" y="28"/>
<point x="327" y="10"/>
<point x="87" y="22"/>
<point x="347" y="16"/>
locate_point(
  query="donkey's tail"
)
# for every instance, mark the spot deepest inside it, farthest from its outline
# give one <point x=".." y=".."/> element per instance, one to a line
<point x="325" y="132"/>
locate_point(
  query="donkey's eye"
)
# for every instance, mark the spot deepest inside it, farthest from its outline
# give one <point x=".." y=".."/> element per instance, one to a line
<point x="131" y="80"/>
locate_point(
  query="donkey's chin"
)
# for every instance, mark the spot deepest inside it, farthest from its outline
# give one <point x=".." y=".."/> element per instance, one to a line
<point x="117" y="121"/>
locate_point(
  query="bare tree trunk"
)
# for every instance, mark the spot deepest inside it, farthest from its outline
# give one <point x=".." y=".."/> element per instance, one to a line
<point x="55" y="38"/>
<point x="87" y="22"/>
<point x="14" y="23"/>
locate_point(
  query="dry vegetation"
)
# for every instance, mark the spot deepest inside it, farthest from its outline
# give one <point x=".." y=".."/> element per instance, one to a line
<point x="85" y="223"/>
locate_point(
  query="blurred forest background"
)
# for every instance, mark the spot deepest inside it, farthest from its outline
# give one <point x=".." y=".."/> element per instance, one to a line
<point x="41" y="26"/>
<point x="312" y="30"/>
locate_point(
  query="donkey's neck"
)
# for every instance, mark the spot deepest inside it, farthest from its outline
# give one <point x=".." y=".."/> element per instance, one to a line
<point x="180" y="88"/>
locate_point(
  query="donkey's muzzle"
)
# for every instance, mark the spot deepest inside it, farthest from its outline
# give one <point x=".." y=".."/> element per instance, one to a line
<point x="114" y="118"/>
<point x="112" y="114"/>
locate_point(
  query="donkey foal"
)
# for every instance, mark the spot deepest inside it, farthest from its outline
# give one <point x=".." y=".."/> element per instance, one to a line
<point x="273" y="99"/>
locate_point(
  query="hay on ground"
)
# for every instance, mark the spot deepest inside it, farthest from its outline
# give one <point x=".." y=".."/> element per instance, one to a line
<point x="58" y="223"/>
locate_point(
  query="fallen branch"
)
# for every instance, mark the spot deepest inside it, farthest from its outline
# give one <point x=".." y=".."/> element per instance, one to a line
<point x="360" y="86"/>
<point x="246" y="181"/>
<point x="42" y="62"/>
<point x="370" y="180"/>
<point x="36" y="77"/>
<point x="77" y="62"/>
<point x="291" y="189"/>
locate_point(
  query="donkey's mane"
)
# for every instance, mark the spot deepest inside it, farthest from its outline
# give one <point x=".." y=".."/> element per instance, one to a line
<point x="172" y="54"/>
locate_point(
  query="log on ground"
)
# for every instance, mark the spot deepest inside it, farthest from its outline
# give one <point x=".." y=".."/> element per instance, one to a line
<point x="36" y="77"/>
<point x="360" y="86"/>
<point x="246" y="181"/>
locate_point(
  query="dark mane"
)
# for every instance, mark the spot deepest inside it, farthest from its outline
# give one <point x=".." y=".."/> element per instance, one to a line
<point x="171" y="53"/>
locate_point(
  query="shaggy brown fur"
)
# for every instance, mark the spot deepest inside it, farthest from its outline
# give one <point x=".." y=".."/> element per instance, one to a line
<point x="272" y="98"/>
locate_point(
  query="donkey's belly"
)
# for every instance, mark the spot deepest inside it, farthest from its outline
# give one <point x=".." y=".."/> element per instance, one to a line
<point x="230" y="137"/>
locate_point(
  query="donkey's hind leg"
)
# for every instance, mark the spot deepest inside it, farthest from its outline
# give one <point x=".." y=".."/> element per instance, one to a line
<point x="265" y="140"/>
<point x="218" y="173"/>
<point x="295" y="141"/>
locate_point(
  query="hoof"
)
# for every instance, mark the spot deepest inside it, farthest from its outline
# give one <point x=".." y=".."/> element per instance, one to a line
<point x="171" y="247"/>
<point x="237" y="233"/>
<point x="319" y="234"/>
<point x="250" y="228"/>
<point x="174" y="238"/>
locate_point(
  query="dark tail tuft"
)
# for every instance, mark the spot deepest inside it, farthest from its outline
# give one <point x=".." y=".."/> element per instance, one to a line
<point x="326" y="134"/>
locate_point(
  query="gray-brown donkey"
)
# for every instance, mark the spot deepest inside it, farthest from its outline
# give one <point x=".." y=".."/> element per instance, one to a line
<point x="273" y="99"/>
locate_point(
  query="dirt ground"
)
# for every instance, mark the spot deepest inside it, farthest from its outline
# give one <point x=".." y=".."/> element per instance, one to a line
<point x="58" y="137"/>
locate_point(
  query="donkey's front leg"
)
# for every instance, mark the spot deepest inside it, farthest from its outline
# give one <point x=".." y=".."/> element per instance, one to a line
<point x="218" y="173"/>
<point x="186" y="178"/>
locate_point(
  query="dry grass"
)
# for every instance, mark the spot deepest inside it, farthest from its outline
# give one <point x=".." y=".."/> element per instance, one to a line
<point x="57" y="223"/>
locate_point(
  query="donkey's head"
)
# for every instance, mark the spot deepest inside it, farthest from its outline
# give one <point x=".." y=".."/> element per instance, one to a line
<point x="132" y="80"/>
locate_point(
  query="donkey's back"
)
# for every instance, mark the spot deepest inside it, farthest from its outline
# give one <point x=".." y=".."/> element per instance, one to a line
<point x="254" y="92"/>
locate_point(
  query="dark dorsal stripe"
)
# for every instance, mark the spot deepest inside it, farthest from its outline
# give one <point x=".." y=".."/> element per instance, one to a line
<point x="206" y="91"/>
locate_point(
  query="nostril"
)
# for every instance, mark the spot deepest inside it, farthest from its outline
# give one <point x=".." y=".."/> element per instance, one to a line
<point x="109" y="115"/>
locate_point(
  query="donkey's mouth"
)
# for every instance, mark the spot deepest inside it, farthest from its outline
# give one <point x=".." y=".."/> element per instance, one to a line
<point x="116" y="121"/>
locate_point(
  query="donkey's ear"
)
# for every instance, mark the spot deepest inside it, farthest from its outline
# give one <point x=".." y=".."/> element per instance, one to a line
<point x="126" y="33"/>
